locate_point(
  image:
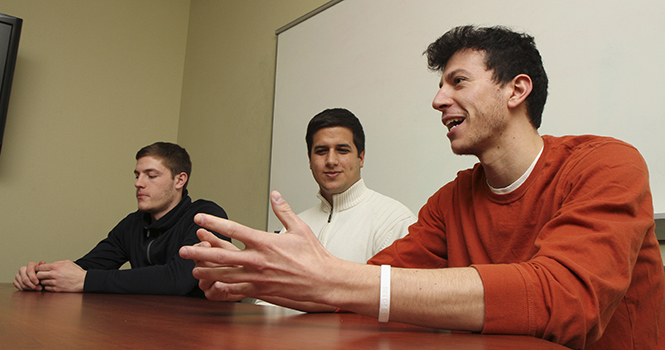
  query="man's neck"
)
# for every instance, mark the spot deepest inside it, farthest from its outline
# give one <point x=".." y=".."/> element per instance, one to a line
<point x="505" y="163"/>
<point x="329" y="197"/>
<point x="157" y="216"/>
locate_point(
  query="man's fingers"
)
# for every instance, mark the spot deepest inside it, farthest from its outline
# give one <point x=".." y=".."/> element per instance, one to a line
<point x="30" y="284"/>
<point x="283" y="211"/>
<point x="209" y="239"/>
<point x="218" y="291"/>
<point x="45" y="267"/>
<point x="204" y="285"/>
<point x="18" y="284"/>
<point x="28" y="276"/>
<point x="23" y="282"/>
<point x="30" y="272"/>
<point x="214" y="256"/>
<point x="206" y="237"/>
<point x="215" y="291"/>
<point x="208" y="253"/>
<point x="42" y="275"/>
<point x="203" y="244"/>
<point x="226" y="275"/>
<point x="227" y="228"/>
<point x="227" y="245"/>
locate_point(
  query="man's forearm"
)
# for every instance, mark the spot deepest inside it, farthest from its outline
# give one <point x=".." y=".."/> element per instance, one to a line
<point x="451" y="298"/>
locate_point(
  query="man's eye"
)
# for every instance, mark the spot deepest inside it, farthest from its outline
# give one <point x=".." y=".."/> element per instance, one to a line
<point x="458" y="80"/>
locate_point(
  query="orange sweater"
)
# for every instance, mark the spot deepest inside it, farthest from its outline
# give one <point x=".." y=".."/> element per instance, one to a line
<point x="570" y="256"/>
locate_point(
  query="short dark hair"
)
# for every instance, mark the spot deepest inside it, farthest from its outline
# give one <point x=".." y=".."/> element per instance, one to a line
<point x="507" y="53"/>
<point x="174" y="157"/>
<point x="331" y="118"/>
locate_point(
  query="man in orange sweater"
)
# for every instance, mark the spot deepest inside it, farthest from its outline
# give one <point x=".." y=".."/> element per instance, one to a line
<point x="551" y="237"/>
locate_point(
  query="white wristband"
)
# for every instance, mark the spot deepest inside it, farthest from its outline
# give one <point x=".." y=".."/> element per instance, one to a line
<point x="384" y="297"/>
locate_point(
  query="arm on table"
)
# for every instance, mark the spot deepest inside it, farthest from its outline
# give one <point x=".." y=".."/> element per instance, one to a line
<point x="167" y="273"/>
<point x="59" y="276"/>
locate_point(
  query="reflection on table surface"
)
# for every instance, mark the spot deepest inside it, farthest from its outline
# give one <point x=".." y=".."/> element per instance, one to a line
<point x="43" y="320"/>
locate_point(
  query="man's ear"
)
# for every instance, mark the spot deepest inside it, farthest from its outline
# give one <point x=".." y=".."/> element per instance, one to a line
<point x="180" y="180"/>
<point x="362" y="158"/>
<point x="521" y="88"/>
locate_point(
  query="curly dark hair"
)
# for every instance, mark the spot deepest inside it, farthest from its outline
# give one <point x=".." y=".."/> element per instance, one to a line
<point x="507" y="53"/>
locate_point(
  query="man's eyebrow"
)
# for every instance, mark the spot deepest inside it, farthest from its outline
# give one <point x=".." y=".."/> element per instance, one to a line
<point x="451" y="74"/>
<point x="337" y="145"/>
<point x="150" y="170"/>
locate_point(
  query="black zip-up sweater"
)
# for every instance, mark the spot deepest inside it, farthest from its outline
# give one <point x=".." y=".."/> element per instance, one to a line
<point x="152" y="250"/>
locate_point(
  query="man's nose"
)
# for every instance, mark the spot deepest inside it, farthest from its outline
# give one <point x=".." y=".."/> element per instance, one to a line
<point x="139" y="182"/>
<point x="442" y="99"/>
<point x="332" y="158"/>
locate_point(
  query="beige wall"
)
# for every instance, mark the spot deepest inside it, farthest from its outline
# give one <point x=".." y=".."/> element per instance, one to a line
<point x="226" y="115"/>
<point x="97" y="80"/>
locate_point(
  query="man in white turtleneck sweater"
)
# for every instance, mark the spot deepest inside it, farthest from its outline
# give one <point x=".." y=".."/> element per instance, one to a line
<point x="352" y="221"/>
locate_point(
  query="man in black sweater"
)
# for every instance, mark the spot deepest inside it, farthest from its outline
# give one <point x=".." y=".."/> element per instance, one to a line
<point x="148" y="238"/>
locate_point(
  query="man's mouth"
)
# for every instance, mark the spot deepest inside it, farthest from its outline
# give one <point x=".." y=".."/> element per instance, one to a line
<point x="452" y="123"/>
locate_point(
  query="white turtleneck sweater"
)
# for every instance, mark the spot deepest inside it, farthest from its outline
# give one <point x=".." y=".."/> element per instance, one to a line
<point x="359" y="224"/>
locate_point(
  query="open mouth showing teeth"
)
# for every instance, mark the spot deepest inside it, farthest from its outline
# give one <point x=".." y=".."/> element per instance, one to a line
<point x="453" y="123"/>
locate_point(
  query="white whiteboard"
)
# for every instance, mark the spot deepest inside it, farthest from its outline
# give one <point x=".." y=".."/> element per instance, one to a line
<point x="605" y="61"/>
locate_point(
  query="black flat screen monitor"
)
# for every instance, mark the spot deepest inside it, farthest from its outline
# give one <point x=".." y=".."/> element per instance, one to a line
<point x="10" y="32"/>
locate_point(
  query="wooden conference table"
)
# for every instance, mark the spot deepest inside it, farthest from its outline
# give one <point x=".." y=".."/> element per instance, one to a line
<point x="42" y="320"/>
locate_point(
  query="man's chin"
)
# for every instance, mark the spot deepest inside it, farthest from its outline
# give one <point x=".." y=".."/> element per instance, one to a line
<point x="460" y="150"/>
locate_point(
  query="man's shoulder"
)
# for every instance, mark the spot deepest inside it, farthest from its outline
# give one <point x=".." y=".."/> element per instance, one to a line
<point x="575" y="143"/>
<point x="384" y="204"/>
<point x="133" y="217"/>
<point x="207" y="207"/>
<point x="374" y="195"/>
<point x="576" y="148"/>
<point x="202" y="206"/>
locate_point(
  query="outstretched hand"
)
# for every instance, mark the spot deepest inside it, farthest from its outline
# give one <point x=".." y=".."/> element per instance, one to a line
<point x="293" y="265"/>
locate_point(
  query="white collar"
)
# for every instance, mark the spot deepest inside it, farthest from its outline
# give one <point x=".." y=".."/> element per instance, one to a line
<point x="515" y="185"/>
<point x="347" y="199"/>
